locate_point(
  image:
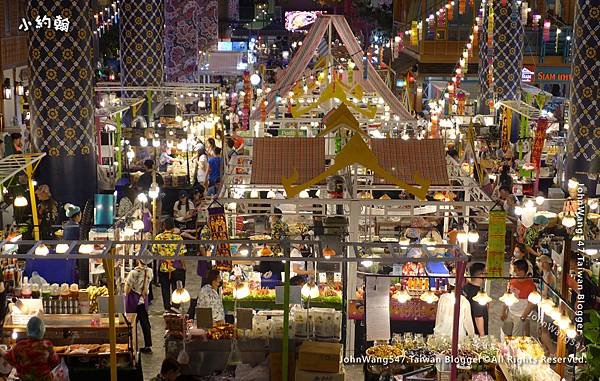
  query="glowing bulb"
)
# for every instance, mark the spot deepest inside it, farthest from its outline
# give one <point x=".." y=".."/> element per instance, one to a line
<point x="137" y="225"/>
<point x="42" y="250"/>
<point x="568" y="221"/>
<point x="142" y="198"/>
<point x="482" y="298"/>
<point x="367" y="263"/>
<point x="554" y="313"/>
<point x="402" y="296"/>
<point x="546" y="305"/>
<point x="571" y="332"/>
<point x="62" y="248"/>
<point x="518" y="210"/>
<point x="20" y="201"/>
<point x="508" y="299"/>
<point x="86" y="248"/>
<point x="563" y="322"/>
<point x="310" y="290"/>
<point x="540" y="200"/>
<point x="473" y="236"/>
<point x="534" y="297"/>
<point x="429" y="297"/>
<point x="462" y="236"/>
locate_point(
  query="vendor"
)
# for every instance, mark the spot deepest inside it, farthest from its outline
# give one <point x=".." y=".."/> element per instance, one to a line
<point x="145" y="180"/>
<point x="301" y="268"/>
<point x="210" y="296"/>
<point x="71" y="230"/>
<point x="184" y="211"/>
<point x="34" y="357"/>
<point x="165" y="159"/>
<point x="47" y="211"/>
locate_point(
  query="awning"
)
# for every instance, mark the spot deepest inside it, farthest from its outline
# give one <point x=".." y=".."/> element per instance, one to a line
<point x="521" y="108"/>
<point x="224" y="63"/>
<point x="403" y="158"/>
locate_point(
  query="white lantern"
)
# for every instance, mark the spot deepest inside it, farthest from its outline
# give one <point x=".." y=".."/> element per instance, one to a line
<point x="534" y="297"/>
<point x="482" y="298"/>
<point x="508" y="299"/>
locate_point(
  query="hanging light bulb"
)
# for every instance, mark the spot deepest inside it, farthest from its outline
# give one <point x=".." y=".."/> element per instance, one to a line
<point x="518" y="211"/>
<point x="534" y="297"/>
<point x="303" y="194"/>
<point x="271" y="195"/>
<point x="86" y="248"/>
<point x="563" y="322"/>
<point x="508" y="299"/>
<point x="568" y="221"/>
<point x="462" y="236"/>
<point x="540" y="200"/>
<point x="554" y="313"/>
<point x="241" y="290"/>
<point x="473" y="236"/>
<point x="142" y="198"/>
<point x="42" y="250"/>
<point x="402" y="296"/>
<point x="482" y="298"/>
<point x="20" y="201"/>
<point x="429" y="297"/>
<point x="571" y="332"/>
<point x="404" y="242"/>
<point x="180" y="295"/>
<point x="62" y="248"/>
<point x="366" y="263"/>
<point x="310" y="290"/>
<point x="546" y="305"/>
<point x="254" y="194"/>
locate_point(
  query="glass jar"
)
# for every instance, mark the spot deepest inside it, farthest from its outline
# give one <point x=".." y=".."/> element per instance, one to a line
<point x="54" y="291"/>
<point x="35" y="291"/>
<point x="26" y="291"/>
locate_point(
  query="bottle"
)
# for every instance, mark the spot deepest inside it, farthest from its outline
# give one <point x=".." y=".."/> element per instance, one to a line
<point x="35" y="291"/>
<point x="26" y="290"/>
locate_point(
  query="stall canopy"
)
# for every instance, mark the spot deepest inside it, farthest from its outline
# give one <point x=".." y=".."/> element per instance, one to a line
<point x="403" y="158"/>
<point x="224" y="63"/>
<point x="273" y="159"/>
<point x="306" y="52"/>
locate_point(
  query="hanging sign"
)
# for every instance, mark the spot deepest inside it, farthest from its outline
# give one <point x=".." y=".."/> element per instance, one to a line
<point x="506" y="124"/>
<point x="496" y="242"/>
<point x="218" y="231"/>
<point x="538" y="142"/>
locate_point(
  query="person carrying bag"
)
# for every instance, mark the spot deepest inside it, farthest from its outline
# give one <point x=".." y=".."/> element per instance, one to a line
<point x="136" y="298"/>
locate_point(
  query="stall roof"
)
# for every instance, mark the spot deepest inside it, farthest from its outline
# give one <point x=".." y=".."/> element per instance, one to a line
<point x="224" y="63"/>
<point x="521" y="108"/>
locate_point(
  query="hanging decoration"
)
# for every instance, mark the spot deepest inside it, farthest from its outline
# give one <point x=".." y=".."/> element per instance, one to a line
<point x="441" y="20"/>
<point x="263" y="110"/>
<point x="430" y="26"/>
<point x="475" y="35"/>
<point x="506" y="124"/>
<point x="461" y="100"/>
<point x="450" y="10"/>
<point x="504" y="3"/>
<point x="414" y="34"/>
<point x="462" y="6"/>
<point x="218" y="231"/>
<point x="535" y="21"/>
<point x="524" y="12"/>
<point x="351" y="66"/>
<point x="538" y="142"/>
<point x="247" y="101"/>
<point x="524" y="128"/>
<point x="106" y="18"/>
<point x="546" y="33"/>
<point x="558" y="32"/>
<point x="496" y="243"/>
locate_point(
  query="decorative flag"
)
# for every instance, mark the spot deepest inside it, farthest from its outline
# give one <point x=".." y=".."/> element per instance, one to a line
<point x="414" y="33"/>
<point x="218" y="231"/>
<point x="536" y="21"/>
<point x="462" y="6"/>
<point x="496" y="243"/>
<point x="523" y="132"/>
<point x="546" y="33"/>
<point x="506" y="124"/>
<point x="538" y="142"/>
<point x="450" y="10"/>
<point x="524" y="8"/>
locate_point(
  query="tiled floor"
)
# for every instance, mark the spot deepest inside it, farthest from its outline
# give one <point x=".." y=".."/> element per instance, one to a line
<point x="151" y="362"/>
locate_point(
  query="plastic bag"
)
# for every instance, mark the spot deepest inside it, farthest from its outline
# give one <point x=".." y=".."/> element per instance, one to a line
<point x="60" y="372"/>
<point x="37" y="279"/>
<point x="183" y="358"/>
<point x="247" y="373"/>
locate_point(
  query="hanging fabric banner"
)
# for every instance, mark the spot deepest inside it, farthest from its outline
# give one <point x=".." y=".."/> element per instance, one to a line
<point x="506" y="124"/>
<point x="414" y="34"/>
<point x="218" y="231"/>
<point x="496" y="243"/>
<point x="538" y="142"/>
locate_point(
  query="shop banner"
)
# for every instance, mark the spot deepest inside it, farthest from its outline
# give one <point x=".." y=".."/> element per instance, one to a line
<point x="412" y="310"/>
<point x="538" y="142"/>
<point x="208" y="22"/>
<point x="181" y="39"/>
<point x="218" y="231"/>
<point x="506" y="127"/>
<point x="496" y="243"/>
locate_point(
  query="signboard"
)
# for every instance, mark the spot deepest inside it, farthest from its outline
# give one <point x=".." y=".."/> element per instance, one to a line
<point x="496" y="243"/>
<point x="299" y="19"/>
<point x="553" y="74"/>
<point x="527" y="76"/>
<point x="232" y="46"/>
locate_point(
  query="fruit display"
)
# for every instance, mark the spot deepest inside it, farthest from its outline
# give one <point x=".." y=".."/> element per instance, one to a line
<point x="385" y="351"/>
<point x="526" y="357"/>
<point x="221" y="332"/>
<point x="93" y="294"/>
<point x="523" y="347"/>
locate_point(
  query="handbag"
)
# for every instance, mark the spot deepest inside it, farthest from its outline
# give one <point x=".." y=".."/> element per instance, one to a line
<point x="132" y="299"/>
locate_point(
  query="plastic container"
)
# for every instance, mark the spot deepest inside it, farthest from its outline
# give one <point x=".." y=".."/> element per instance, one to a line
<point x="35" y="291"/>
<point x="26" y="291"/>
<point x="54" y="291"/>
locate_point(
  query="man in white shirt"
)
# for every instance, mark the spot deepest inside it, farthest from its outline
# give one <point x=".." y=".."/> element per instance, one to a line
<point x="445" y="316"/>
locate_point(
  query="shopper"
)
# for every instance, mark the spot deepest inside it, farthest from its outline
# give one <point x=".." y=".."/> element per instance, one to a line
<point x="445" y="308"/>
<point x="170" y="271"/>
<point x="505" y="179"/>
<point x="201" y="170"/>
<point x="479" y="313"/>
<point x="129" y="202"/>
<point x="520" y="252"/>
<point x="214" y="174"/>
<point x="509" y="201"/>
<point x="231" y="151"/>
<point x="146" y="179"/>
<point x="533" y="234"/>
<point x="137" y="287"/>
<point x="516" y="317"/>
<point x="165" y="159"/>
<point x="71" y="229"/>
<point x="184" y="212"/>
<point x="169" y="370"/>
<point x="47" y="209"/>
<point x="34" y="357"/>
<point x="237" y="139"/>
<point x="544" y="262"/>
<point x="210" y="296"/>
<point x="13" y="144"/>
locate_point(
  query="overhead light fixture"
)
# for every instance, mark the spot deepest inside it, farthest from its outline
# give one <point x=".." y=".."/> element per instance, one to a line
<point x="429" y="297"/>
<point x="254" y="194"/>
<point x="563" y="322"/>
<point x="180" y="295"/>
<point x="508" y="299"/>
<point x="6" y="89"/>
<point x="310" y="290"/>
<point x="534" y="298"/>
<point x="554" y="313"/>
<point x="142" y="198"/>
<point x="20" y="201"/>
<point x="540" y="200"/>
<point x="482" y="298"/>
<point x="271" y="195"/>
<point x="473" y="236"/>
<point x="243" y="250"/>
<point x="462" y="236"/>
<point x="241" y="290"/>
<point x="61" y="248"/>
<point x="402" y="296"/>
<point x="518" y="210"/>
<point x="20" y="89"/>
<point x="546" y="305"/>
<point x="154" y="191"/>
<point x="568" y="221"/>
<point x="42" y="250"/>
<point x="571" y="332"/>
<point x="304" y="194"/>
<point x="86" y="248"/>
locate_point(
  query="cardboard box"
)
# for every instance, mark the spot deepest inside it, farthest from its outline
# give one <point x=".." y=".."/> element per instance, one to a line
<point x="303" y="375"/>
<point x="275" y="365"/>
<point x="320" y="357"/>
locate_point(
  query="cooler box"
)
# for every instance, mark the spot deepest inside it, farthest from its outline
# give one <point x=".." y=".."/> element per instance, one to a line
<point x="320" y="357"/>
<point x="434" y="270"/>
